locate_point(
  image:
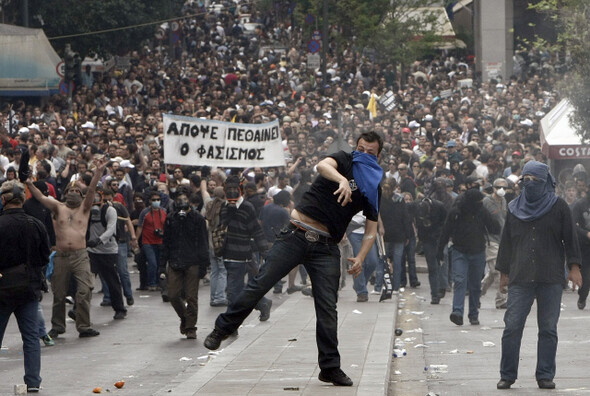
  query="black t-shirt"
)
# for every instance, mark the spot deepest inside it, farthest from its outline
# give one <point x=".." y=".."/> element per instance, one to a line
<point x="322" y="205"/>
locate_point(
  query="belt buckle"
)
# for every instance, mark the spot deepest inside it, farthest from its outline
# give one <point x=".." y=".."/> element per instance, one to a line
<point x="312" y="236"/>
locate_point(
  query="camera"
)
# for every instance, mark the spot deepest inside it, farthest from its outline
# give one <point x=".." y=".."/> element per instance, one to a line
<point x="159" y="232"/>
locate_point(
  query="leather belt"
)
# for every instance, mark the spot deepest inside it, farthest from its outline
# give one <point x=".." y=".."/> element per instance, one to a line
<point x="311" y="235"/>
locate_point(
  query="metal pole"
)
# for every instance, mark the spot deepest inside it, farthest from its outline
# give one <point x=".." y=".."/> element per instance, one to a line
<point x="25" y="9"/>
<point x="324" y="41"/>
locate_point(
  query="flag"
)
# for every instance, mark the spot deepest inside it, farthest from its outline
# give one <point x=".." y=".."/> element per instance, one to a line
<point x="372" y="107"/>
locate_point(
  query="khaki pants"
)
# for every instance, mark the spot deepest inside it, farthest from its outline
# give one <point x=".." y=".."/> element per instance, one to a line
<point x="493" y="276"/>
<point x="66" y="265"/>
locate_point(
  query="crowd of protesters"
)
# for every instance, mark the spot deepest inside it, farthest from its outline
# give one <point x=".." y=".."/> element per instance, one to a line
<point x="448" y="131"/>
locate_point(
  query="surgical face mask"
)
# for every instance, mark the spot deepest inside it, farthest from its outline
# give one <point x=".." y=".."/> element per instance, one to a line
<point x="271" y="174"/>
<point x="173" y="190"/>
<point x="156" y="204"/>
<point x="500" y="191"/>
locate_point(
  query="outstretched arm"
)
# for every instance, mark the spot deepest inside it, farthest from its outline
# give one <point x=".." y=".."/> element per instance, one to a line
<point x="366" y="245"/>
<point x="89" y="199"/>
<point x="49" y="203"/>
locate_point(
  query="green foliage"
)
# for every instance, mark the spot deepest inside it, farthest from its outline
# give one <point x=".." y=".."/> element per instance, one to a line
<point x="389" y="27"/>
<point x="70" y="17"/>
<point x="572" y="18"/>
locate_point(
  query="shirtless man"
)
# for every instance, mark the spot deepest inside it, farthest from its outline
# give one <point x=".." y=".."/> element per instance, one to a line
<point x="71" y="260"/>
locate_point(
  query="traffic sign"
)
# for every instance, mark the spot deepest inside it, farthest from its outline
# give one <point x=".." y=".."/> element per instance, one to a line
<point x="316" y="35"/>
<point x="60" y="69"/>
<point x="174" y="26"/>
<point x="63" y="87"/>
<point x="313" y="46"/>
<point x="313" y="61"/>
<point x="160" y="33"/>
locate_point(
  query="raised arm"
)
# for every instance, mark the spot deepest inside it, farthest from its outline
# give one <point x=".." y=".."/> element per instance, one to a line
<point x="49" y="203"/>
<point x="89" y="199"/>
<point x="328" y="168"/>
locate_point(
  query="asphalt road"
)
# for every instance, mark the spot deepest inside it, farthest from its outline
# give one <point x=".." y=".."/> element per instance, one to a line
<point x="146" y="349"/>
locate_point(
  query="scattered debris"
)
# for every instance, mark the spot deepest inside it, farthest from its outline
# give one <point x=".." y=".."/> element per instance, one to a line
<point x="98" y="389"/>
<point x="119" y="384"/>
<point x="488" y="344"/>
<point x="291" y="388"/>
<point x="185" y="359"/>
<point x="356" y="311"/>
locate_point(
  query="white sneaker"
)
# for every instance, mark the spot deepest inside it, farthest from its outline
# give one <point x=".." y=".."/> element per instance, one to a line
<point x="375" y="292"/>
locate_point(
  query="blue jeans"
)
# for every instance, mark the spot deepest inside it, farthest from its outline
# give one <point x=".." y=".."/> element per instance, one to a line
<point x="468" y="270"/>
<point x="123" y="272"/>
<point x="41" y="322"/>
<point x="520" y="300"/>
<point x="444" y="270"/>
<point x="430" y="253"/>
<point x="409" y="257"/>
<point x="152" y="255"/>
<point x="218" y="280"/>
<point x="27" y="317"/>
<point x="395" y="252"/>
<point x="236" y="271"/>
<point x="369" y="265"/>
<point x="322" y="262"/>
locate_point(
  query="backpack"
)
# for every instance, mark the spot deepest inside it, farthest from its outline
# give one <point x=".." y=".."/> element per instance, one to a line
<point x="121" y="220"/>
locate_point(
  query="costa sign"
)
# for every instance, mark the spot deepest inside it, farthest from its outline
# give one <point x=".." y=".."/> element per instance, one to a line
<point x="566" y="152"/>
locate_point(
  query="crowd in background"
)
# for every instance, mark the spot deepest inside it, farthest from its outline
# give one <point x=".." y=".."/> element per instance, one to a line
<point x="447" y="128"/>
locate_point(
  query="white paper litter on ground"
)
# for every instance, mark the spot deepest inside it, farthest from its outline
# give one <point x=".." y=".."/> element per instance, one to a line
<point x="185" y="359"/>
<point x="488" y="344"/>
<point x="356" y="311"/>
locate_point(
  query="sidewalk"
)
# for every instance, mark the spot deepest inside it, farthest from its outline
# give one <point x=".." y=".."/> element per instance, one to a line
<point x="445" y="359"/>
<point x="280" y="356"/>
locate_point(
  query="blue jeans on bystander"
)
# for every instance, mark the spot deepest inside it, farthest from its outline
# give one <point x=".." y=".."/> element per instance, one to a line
<point x="520" y="300"/>
<point x="468" y="270"/>
<point x="27" y="318"/>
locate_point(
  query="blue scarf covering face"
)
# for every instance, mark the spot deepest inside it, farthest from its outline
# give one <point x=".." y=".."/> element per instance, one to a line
<point x="537" y="197"/>
<point x="367" y="176"/>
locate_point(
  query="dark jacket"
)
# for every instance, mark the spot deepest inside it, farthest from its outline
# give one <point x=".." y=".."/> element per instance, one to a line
<point x="396" y="219"/>
<point x="430" y="216"/>
<point x="535" y="251"/>
<point x="468" y="229"/>
<point x="242" y="227"/>
<point x="581" y="218"/>
<point x="36" y="209"/>
<point x="23" y="238"/>
<point x="185" y="242"/>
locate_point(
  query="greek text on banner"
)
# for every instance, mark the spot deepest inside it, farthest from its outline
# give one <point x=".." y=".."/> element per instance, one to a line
<point x="197" y="141"/>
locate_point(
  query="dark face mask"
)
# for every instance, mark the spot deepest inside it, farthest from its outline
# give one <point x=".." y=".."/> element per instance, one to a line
<point x="534" y="189"/>
<point x="73" y="200"/>
<point x="182" y="204"/>
<point x="232" y="195"/>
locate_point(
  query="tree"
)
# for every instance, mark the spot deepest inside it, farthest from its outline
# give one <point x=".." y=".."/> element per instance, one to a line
<point x="572" y="18"/>
<point x="397" y="31"/>
<point x="76" y="17"/>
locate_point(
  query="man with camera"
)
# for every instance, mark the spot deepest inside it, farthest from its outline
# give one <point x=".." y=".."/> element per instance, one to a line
<point x="151" y="230"/>
<point x="185" y="250"/>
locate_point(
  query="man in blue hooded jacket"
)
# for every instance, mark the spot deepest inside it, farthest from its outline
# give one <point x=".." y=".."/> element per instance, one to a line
<point x="538" y="237"/>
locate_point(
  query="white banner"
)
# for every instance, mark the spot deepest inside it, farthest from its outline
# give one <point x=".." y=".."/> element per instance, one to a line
<point x="197" y="141"/>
